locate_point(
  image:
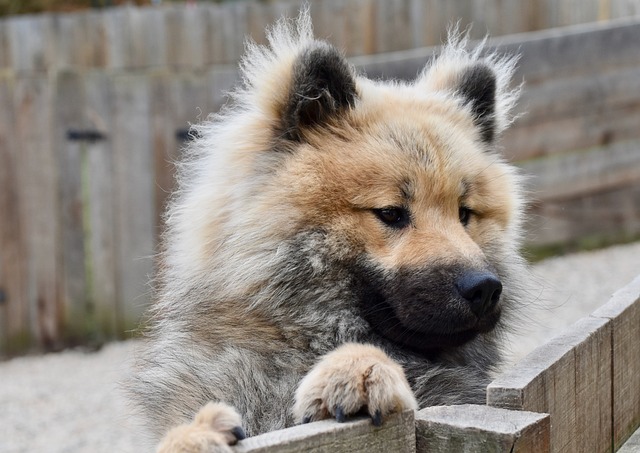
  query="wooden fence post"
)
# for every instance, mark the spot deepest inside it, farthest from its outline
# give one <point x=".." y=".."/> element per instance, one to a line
<point x="479" y="429"/>
<point x="397" y="435"/>
<point x="624" y="312"/>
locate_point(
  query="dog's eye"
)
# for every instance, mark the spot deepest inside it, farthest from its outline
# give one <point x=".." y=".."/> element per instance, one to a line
<point x="393" y="216"/>
<point x="464" y="214"/>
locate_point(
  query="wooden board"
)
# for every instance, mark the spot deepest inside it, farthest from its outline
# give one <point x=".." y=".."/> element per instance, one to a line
<point x="592" y="219"/>
<point x="570" y="379"/>
<point x="101" y="217"/>
<point x="134" y="195"/>
<point x="474" y="428"/>
<point x="397" y="434"/>
<point x="583" y="172"/>
<point x="69" y="100"/>
<point x="623" y="311"/>
<point x="40" y="210"/>
<point x="14" y="321"/>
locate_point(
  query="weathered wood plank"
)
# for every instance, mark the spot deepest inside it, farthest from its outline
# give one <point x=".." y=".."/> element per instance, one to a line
<point x="610" y="215"/>
<point x="14" y="322"/>
<point x="185" y="37"/>
<point x="570" y="379"/>
<point x="473" y="428"/>
<point x="30" y="43"/>
<point x="544" y="54"/>
<point x="68" y="119"/>
<point x="397" y="434"/>
<point x="600" y="91"/>
<point x="582" y="172"/>
<point x="624" y="312"/>
<point x="117" y="38"/>
<point x="39" y="216"/>
<point x="101" y="222"/>
<point x="134" y="197"/>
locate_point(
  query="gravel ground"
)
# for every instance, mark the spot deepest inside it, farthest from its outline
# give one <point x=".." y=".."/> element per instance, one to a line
<point x="70" y="402"/>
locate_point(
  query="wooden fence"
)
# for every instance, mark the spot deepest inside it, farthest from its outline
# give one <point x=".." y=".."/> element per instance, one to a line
<point x="578" y="393"/>
<point x="97" y="104"/>
<point x="212" y="34"/>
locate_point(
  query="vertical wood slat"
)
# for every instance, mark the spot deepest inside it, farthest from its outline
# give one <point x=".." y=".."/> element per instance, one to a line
<point x="134" y="197"/>
<point x="570" y="379"/>
<point x="39" y="216"/>
<point x="14" y="326"/>
<point x="624" y="312"/>
<point x="31" y="44"/>
<point x="69" y="100"/>
<point x="100" y="228"/>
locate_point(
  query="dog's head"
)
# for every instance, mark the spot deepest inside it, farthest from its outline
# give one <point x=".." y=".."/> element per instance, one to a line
<point x="402" y="179"/>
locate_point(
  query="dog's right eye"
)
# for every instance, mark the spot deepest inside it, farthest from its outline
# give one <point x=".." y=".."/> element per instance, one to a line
<point x="395" y="217"/>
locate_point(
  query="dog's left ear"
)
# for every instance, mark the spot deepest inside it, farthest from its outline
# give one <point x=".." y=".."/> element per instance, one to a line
<point x="476" y="86"/>
<point x="474" y="83"/>
<point x="323" y="86"/>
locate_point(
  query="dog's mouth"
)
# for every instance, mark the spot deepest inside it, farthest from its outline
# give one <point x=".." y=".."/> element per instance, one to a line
<point x="384" y="320"/>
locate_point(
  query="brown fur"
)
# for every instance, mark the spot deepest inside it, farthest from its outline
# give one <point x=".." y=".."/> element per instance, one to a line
<point x="347" y="241"/>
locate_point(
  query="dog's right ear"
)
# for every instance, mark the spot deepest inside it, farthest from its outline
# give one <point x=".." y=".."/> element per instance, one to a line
<point x="322" y="87"/>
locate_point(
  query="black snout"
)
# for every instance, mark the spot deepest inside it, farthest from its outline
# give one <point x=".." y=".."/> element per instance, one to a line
<point x="481" y="289"/>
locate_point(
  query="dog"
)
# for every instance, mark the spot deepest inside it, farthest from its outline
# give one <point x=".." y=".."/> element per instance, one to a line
<point x="336" y="245"/>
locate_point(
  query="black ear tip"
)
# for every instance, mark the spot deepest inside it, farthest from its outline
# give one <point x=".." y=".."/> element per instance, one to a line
<point x="478" y="86"/>
<point x="323" y="84"/>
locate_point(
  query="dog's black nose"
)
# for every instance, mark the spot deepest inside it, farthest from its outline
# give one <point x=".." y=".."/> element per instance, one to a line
<point x="481" y="289"/>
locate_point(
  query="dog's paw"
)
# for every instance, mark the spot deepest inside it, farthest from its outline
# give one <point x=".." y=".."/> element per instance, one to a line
<point x="353" y="378"/>
<point x="214" y="428"/>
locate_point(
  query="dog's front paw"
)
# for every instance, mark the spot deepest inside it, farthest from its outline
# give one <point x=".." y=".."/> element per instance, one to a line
<point x="214" y="428"/>
<point x="353" y="378"/>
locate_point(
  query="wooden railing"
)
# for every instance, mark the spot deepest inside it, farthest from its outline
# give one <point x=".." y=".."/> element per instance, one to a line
<point x="580" y="392"/>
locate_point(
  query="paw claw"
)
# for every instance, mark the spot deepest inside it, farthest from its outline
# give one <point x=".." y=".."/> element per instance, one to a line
<point x="340" y="415"/>
<point x="377" y="418"/>
<point x="239" y="433"/>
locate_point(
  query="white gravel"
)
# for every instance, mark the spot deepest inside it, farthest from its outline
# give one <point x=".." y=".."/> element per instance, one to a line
<point x="70" y="402"/>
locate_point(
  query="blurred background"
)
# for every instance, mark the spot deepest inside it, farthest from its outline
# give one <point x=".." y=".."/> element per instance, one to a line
<point x="97" y="97"/>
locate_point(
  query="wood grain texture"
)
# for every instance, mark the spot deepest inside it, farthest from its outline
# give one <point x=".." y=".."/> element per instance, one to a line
<point x="14" y="327"/>
<point x="40" y="211"/>
<point x="473" y="428"/>
<point x="134" y="196"/>
<point x="623" y="311"/>
<point x="70" y="154"/>
<point x="570" y="379"/>
<point x="397" y="434"/>
<point x="101" y="217"/>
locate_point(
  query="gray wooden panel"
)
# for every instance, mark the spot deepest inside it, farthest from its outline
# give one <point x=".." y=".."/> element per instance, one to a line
<point x="186" y="34"/>
<point x="134" y="197"/>
<point x="40" y="210"/>
<point x="101" y="218"/>
<point x="6" y="59"/>
<point x="14" y="322"/>
<point x="570" y="379"/>
<point x="69" y="100"/>
<point x="605" y="216"/>
<point x="581" y="172"/>
<point x="31" y="44"/>
<point x="624" y="312"/>
<point x="599" y="91"/>
<point x="479" y="429"/>
<point x="544" y="54"/>
<point x="397" y="434"/>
